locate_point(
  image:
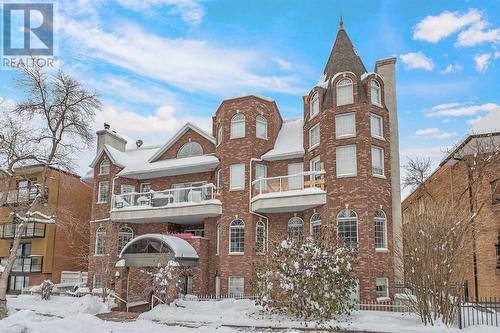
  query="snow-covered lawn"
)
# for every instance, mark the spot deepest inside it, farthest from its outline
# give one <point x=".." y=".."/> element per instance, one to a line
<point x="67" y="314"/>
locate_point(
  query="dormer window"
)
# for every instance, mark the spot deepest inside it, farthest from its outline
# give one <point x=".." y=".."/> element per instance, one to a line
<point x="375" y="92"/>
<point x="344" y="92"/>
<point x="104" y="167"/>
<point x="238" y="126"/>
<point x="190" y="149"/>
<point x="314" y="106"/>
<point x="261" y="127"/>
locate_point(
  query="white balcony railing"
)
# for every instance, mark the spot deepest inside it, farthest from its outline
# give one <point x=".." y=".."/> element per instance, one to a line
<point x="163" y="199"/>
<point x="296" y="182"/>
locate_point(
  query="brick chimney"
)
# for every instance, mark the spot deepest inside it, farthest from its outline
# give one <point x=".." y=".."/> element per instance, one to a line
<point x="111" y="138"/>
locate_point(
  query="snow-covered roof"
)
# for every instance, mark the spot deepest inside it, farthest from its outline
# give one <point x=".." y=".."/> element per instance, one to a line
<point x="180" y="247"/>
<point x="177" y="136"/>
<point x="289" y="143"/>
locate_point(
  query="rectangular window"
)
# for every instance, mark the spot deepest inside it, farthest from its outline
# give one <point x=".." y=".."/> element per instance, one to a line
<point x="261" y="172"/>
<point x="380" y="234"/>
<point x="315" y="165"/>
<point x="219" y="180"/>
<point x="421" y="205"/>
<point x="345" y="125"/>
<point x="145" y="187"/>
<point x="236" y="286"/>
<point x="405" y="216"/>
<point x="219" y="135"/>
<point x="127" y="198"/>
<point x="377" y="161"/>
<point x="102" y="195"/>
<point x="237" y="177"/>
<point x="314" y="134"/>
<point x="346" y="161"/>
<point x="97" y="281"/>
<point x="382" y="287"/>
<point x="296" y="181"/>
<point x="377" y="126"/>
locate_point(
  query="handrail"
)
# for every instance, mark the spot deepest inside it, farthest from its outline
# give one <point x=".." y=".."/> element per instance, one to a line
<point x="305" y="173"/>
<point x="210" y="185"/>
<point x="153" y="297"/>
<point x="120" y="299"/>
<point x="287" y="183"/>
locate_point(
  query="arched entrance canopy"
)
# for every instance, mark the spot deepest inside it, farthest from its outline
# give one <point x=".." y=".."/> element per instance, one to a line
<point x="150" y="250"/>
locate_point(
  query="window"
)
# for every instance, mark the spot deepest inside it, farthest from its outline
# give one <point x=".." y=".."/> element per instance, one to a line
<point x="344" y="92"/>
<point x="237" y="236"/>
<point x="382" y="287"/>
<point x="260" y="237"/>
<point x="347" y="227"/>
<point x="219" y="180"/>
<point x="346" y="161"/>
<point x="406" y="217"/>
<point x="145" y="187"/>
<point x="261" y="172"/>
<point x="495" y="192"/>
<point x="217" y="240"/>
<point x="421" y="205"/>
<point x="97" y="284"/>
<point x="105" y="167"/>
<point x="377" y="161"/>
<point x="375" y="92"/>
<point x="316" y="226"/>
<point x="315" y="165"/>
<point x="314" y="136"/>
<point x="296" y="229"/>
<point x="125" y="235"/>
<point x="128" y="199"/>
<point x="377" y="126"/>
<point x="236" y="286"/>
<point x="190" y="149"/>
<point x="238" y="126"/>
<point x="102" y="195"/>
<point x="295" y="176"/>
<point x="237" y="177"/>
<point x="261" y="127"/>
<point x="345" y="125"/>
<point x="219" y="135"/>
<point x="100" y="235"/>
<point x="314" y="106"/>
<point x="380" y="230"/>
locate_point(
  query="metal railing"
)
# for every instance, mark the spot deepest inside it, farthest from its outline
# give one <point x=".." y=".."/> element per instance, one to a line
<point x="165" y="198"/>
<point x="32" y="230"/>
<point x="300" y="181"/>
<point x="483" y="311"/>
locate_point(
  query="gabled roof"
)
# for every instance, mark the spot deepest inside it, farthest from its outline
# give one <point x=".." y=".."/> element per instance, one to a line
<point x="177" y="136"/>
<point x="112" y="154"/>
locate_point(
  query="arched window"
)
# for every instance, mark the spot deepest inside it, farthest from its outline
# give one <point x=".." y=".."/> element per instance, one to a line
<point x="238" y="126"/>
<point x="375" y="92"/>
<point x="380" y="230"/>
<point x="344" y="92"/>
<point x="190" y="149"/>
<point x="104" y="167"/>
<point x="219" y="135"/>
<point x="347" y="227"/>
<point x="261" y="127"/>
<point x="124" y="236"/>
<point x="260" y="237"/>
<point x="100" y="235"/>
<point x="314" y="106"/>
<point x="296" y="229"/>
<point x="316" y="225"/>
<point x="237" y="236"/>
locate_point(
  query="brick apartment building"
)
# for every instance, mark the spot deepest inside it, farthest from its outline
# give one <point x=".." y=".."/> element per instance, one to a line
<point x="44" y="251"/>
<point x="448" y="182"/>
<point x="216" y="201"/>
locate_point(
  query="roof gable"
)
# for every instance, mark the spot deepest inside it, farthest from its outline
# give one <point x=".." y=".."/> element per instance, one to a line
<point x="177" y="136"/>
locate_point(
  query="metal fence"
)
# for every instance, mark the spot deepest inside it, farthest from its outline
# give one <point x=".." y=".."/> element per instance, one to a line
<point x="483" y="311"/>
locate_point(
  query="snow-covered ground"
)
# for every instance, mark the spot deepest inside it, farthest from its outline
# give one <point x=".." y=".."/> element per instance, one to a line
<point x="66" y="314"/>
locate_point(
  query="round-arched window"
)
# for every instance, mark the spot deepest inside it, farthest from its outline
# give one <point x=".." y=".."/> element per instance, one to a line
<point x="238" y="126"/>
<point x="190" y="149"/>
<point x="316" y="225"/>
<point x="296" y="229"/>
<point x="347" y="227"/>
<point x="124" y="236"/>
<point x="237" y="236"/>
<point x="375" y="92"/>
<point x="380" y="229"/>
<point x="344" y="92"/>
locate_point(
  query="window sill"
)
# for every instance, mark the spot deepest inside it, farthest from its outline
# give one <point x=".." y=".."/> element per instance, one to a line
<point x="236" y="189"/>
<point x="313" y="147"/>
<point x="311" y="117"/>
<point x="258" y="137"/>
<point x="238" y="137"/>
<point x="382" y="250"/>
<point x="378" y="104"/>
<point x="236" y="253"/>
<point x="99" y="255"/>
<point x="103" y="174"/>
<point x="378" y="137"/>
<point x="351" y="103"/>
<point x="347" y="176"/>
<point x="380" y="176"/>
<point x="345" y="136"/>
<point x="101" y="202"/>
<point x="383" y="299"/>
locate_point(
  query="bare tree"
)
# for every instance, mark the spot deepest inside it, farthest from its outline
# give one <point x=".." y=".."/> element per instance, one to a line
<point x="417" y="171"/>
<point x="48" y="128"/>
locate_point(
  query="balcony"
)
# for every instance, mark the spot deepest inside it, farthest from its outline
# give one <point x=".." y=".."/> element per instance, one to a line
<point x="293" y="193"/>
<point x="189" y="205"/>
<point x="32" y="264"/>
<point x="22" y="195"/>
<point x="32" y="230"/>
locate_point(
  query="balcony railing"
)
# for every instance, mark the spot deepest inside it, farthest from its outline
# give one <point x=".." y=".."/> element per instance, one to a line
<point x="297" y="182"/>
<point x="32" y="264"/>
<point x="32" y="230"/>
<point x="164" y="199"/>
<point x="22" y="195"/>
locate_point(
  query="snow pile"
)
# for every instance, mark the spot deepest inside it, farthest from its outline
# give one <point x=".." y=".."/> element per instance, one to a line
<point x="58" y="305"/>
<point x="89" y="304"/>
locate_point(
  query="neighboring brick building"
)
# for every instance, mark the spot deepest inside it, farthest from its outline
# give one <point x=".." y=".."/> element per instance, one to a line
<point x="44" y="251"/>
<point x="333" y="171"/>
<point x="450" y="182"/>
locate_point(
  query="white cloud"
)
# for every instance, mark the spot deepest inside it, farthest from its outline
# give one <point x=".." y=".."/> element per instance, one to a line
<point x="190" y="10"/>
<point x="417" y="60"/>
<point x="285" y="65"/>
<point x="451" y="68"/>
<point x="192" y="65"/>
<point x="434" y="133"/>
<point x="482" y="62"/>
<point x="460" y="109"/>
<point x="497" y="55"/>
<point x="6" y="104"/>
<point x="477" y="34"/>
<point x="434" y="28"/>
<point x="488" y="123"/>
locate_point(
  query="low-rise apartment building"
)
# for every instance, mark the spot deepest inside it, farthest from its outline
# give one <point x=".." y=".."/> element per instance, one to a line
<point x="218" y="201"/>
<point x="44" y="251"/>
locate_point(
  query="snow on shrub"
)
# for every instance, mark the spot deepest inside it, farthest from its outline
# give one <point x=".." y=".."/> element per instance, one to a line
<point x="165" y="280"/>
<point x="310" y="280"/>
<point x="46" y="289"/>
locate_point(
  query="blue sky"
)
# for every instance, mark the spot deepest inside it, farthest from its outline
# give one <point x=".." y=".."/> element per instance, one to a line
<point x="160" y="63"/>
